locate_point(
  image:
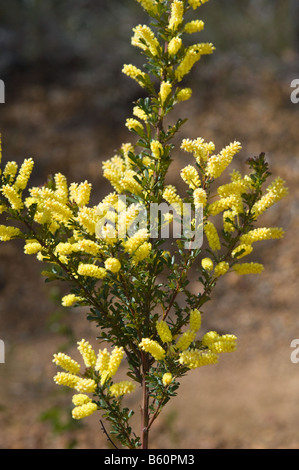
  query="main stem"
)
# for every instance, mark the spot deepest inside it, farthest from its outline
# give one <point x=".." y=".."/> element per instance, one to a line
<point x="145" y="404"/>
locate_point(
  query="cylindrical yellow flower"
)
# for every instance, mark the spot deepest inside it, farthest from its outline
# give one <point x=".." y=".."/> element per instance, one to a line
<point x="157" y="149"/>
<point x="66" y="363"/>
<point x="8" y="232"/>
<point x="103" y="359"/>
<point x="212" y="236"/>
<point x="165" y="90"/>
<point x="248" y="268"/>
<point x="13" y="196"/>
<point x="85" y="385"/>
<point x="134" y="73"/>
<point x="184" y="94"/>
<point x="67" y="379"/>
<point x="91" y="270"/>
<point x="69" y="299"/>
<point x="174" y="45"/>
<point x="197" y="358"/>
<point x="221" y="268"/>
<point x="195" y="320"/>
<point x="164" y="331"/>
<point x="153" y="348"/>
<point x="167" y="379"/>
<point x="24" y="174"/>
<point x="194" y="26"/>
<point x="176" y="15"/>
<point x="115" y="360"/>
<point x="142" y="252"/>
<point x="87" y="353"/>
<point x="122" y="388"/>
<point x="185" y="340"/>
<point x="226" y="343"/>
<point x="82" y="411"/>
<point x="241" y="250"/>
<point x="113" y="265"/>
<point x="207" y="264"/>
<point x="32" y="248"/>
<point x="190" y="175"/>
<point x="80" y="399"/>
<point x="145" y="39"/>
<point x="133" y="124"/>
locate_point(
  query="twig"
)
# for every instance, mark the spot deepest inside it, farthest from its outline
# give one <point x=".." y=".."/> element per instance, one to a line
<point x="107" y="435"/>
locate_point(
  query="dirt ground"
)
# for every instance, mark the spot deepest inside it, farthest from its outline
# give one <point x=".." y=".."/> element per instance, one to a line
<point x="250" y="398"/>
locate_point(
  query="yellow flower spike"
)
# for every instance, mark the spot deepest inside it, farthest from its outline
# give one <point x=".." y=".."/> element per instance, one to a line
<point x="149" y="5"/>
<point x="207" y="264"/>
<point x="67" y="379"/>
<point x="212" y="236"/>
<point x="115" y="360"/>
<point x="134" y="73"/>
<point x="248" y="268"/>
<point x="84" y="410"/>
<point x="241" y="250"/>
<point x="165" y="90"/>
<point x="66" y="363"/>
<point x="167" y="379"/>
<point x="103" y="359"/>
<point x="113" y="265"/>
<point x="174" y="45"/>
<point x="163" y="331"/>
<point x="274" y="193"/>
<point x="87" y="353"/>
<point x="138" y="112"/>
<point x="176" y="15"/>
<point x="122" y="388"/>
<point x="80" y="399"/>
<point x="196" y="3"/>
<point x="221" y="268"/>
<point x="136" y="240"/>
<point x="185" y="340"/>
<point x="190" y="176"/>
<point x="199" y="197"/>
<point x="195" y="320"/>
<point x="10" y="171"/>
<point x="13" y="197"/>
<point x="8" y="232"/>
<point x="193" y="54"/>
<point x="156" y="149"/>
<point x="90" y="270"/>
<point x="69" y="300"/>
<point x="194" y="26"/>
<point x="152" y="347"/>
<point x="218" y="163"/>
<point x="133" y="124"/>
<point x="24" y="174"/>
<point x="145" y="39"/>
<point x="142" y="252"/>
<point x="261" y="233"/>
<point x="209" y="338"/>
<point x="195" y="358"/>
<point x="85" y="385"/>
<point x="184" y="94"/>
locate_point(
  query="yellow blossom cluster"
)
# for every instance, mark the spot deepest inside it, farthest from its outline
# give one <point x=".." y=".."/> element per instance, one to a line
<point x="211" y="345"/>
<point x="102" y="366"/>
<point x="192" y="55"/>
<point x="145" y="39"/>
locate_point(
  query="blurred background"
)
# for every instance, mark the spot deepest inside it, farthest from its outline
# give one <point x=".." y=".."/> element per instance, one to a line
<point x="66" y="104"/>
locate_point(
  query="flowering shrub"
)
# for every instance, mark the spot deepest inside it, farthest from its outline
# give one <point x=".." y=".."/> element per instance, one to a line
<point x="107" y="253"/>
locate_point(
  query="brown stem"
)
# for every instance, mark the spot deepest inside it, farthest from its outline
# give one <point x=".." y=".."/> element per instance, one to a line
<point x="145" y="404"/>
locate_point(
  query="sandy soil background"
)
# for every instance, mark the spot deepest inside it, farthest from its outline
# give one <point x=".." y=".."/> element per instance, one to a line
<point x="250" y="398"/>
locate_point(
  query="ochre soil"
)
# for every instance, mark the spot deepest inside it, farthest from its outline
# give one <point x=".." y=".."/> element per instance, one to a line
<point x="250" y="398"/>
